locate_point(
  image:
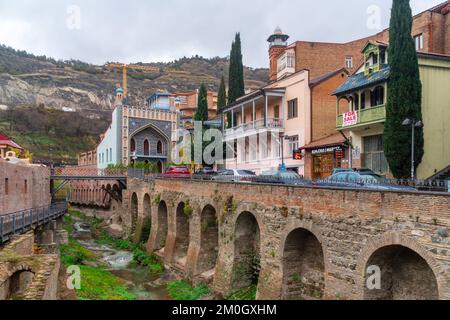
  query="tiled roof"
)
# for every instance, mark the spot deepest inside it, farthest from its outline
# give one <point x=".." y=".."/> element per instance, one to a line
<point x="5" y="140"/>
<point x="360" y="80"/>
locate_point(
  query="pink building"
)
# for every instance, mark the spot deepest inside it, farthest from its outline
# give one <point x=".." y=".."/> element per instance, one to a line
<point x="267" y="125"/>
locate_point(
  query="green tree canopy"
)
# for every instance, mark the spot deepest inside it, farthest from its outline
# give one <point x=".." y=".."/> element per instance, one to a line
<point x="404" y="98"/>
<point x="202" y="107"/>
<point x="222" y="95"/>
<point x="236" y="86"/>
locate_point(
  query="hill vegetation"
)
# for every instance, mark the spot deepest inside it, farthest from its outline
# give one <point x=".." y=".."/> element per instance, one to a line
<point x="28" y="81"/>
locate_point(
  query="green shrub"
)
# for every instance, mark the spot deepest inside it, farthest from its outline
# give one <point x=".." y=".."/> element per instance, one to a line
<point x="182" y="290"/>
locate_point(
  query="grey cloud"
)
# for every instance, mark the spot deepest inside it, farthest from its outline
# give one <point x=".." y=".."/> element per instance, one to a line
<point x="163" y="30"/>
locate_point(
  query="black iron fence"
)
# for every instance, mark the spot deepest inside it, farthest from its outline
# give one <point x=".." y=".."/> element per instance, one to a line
<point x="371" y="184"/>
<point x="23" y="221"/>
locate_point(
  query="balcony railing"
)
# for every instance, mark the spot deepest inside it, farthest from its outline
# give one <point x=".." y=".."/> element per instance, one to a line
<point x="366" y="116"/>
<point x="272" y="123"/>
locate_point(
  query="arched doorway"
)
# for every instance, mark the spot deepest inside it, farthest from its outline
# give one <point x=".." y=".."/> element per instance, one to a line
<point x="209" y="242"/>
<point x="16" y="285"/>
<point x="182" y="232"/>
<point x="405" y="275"/>
<point x="163" y="226"/>
<point x="247" y="250"/>
<point x="303" y="266"/>
<point x="134" y="212"/>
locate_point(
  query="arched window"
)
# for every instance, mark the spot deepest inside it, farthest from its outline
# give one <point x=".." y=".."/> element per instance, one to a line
<point x="146" y="148"/>
<point x="110" y="155"/>
<point x="159" y="147"/>
<point x="377" y="96"/>
<point x="133" y="145"/>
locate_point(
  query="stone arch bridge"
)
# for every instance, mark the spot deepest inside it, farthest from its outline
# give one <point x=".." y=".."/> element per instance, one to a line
<point x="296" y="242"/>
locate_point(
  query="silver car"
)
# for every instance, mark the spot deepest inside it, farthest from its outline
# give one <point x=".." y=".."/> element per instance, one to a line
<point x="234" y="175"/>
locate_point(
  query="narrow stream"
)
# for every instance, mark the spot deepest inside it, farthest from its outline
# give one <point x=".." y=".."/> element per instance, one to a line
<point x="138" y="279"/>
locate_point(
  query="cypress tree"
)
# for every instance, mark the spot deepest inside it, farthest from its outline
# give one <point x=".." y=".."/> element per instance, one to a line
<point x="202" y="107"/>
<point x="404" y="98"/>
<point x="236" y="86"/>
<point x="222" y="95"/>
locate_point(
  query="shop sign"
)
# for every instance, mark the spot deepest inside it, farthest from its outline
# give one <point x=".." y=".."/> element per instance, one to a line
<point x="326" y="150"/>
<point x="298" y="155"/>
<point x="350" y="119"/>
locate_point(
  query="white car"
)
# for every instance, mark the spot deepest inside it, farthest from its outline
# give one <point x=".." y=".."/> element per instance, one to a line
<point x="234" y="175"/>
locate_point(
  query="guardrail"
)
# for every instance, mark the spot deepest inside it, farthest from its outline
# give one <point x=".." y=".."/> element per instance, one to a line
<point x="79" y="172"/>
<point x="23" y="221"/>
<point x="371" y="184"/>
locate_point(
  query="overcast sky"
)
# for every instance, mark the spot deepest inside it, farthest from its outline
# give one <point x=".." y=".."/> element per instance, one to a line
<point x="97" y="31"/>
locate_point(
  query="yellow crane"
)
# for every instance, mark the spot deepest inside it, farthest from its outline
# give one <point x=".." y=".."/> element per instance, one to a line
<point x="124" y="68"/>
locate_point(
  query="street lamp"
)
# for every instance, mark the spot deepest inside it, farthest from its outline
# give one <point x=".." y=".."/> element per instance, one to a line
<point x="414" y="124"/>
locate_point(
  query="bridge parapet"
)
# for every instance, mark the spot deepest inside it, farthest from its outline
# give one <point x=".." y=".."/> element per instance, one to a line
<point x="296" y="241"/>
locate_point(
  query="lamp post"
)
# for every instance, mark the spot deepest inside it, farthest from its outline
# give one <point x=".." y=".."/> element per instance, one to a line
<point x="414" y="124"/>
<point x="283" y="137"/>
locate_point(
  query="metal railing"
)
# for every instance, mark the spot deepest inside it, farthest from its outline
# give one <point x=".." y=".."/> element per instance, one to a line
<point x="368" y="184"/>
<point x="80" y="172"/>
<point x="272" y="123"/>
<point x="23" y="221"/>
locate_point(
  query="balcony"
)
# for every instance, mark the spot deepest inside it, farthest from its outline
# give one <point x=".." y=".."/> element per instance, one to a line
<point x="253" y="127"/>
<point x="363" y="117"/>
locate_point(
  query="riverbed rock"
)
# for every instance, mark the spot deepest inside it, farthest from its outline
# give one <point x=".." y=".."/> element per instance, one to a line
<point x="115" y="231"/>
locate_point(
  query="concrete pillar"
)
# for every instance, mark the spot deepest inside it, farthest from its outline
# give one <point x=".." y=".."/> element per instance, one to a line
<point x="59" y="223"/>
<point x="45" y="235"/>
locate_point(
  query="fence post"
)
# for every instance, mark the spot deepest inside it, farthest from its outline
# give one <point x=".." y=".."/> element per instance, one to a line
<point x="23" y="221"/>
<point x="14" y="224"/>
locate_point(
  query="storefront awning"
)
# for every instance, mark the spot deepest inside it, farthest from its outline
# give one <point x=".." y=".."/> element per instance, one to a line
<point x="330" y="141"/>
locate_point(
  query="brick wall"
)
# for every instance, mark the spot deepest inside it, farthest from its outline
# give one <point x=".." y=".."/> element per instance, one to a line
<point x="447" y="34"/>
<point x="341" y="231"/>
<point x="28" y="187"/>
<point x="324" y="106"/>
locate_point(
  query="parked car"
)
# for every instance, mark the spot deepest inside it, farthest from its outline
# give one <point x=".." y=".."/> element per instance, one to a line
<point x="205" y="173"/>
<point x="178" y="171"/>
<point x="364" y="179"/>
<point x="234" y="175"/>
<point x="282" y="177"/>
<point x="362" y="170"/>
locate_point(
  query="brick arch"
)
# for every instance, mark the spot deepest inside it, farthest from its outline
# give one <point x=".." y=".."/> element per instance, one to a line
<point x="311" y="228"/>
<point x="247" y="249"/>
<point x="247" y="207"/>
<point x="13" y="270"/>
<point x="396" y="239"/>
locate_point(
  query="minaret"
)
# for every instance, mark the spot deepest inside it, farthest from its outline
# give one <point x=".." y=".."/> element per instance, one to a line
<point x="277" y="45"/>
<point x="119" y="95"/>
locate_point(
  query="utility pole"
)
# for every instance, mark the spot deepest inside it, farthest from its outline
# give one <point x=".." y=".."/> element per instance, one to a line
<point x="414" y="124"/>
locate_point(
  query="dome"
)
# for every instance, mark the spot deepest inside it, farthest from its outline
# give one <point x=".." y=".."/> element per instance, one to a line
<point x="278" y="30"/>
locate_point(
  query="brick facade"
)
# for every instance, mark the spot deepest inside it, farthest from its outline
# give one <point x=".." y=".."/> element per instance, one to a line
<point x="321" y="58"/>
<point x="27" y="186"/>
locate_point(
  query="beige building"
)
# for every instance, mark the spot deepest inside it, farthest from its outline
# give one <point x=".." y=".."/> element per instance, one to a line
<point x="361" y="110"/>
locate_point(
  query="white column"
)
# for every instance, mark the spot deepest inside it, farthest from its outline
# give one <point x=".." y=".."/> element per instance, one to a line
<point x="242" y="117"/>
<point x="254" y="114"/>
<point x="283" y="112"/>
<point x="232" y="118"/>
<point x="266" y="112"/>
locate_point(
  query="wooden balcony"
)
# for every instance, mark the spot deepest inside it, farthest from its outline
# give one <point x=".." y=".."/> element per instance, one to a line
<point x="364" y="117"/>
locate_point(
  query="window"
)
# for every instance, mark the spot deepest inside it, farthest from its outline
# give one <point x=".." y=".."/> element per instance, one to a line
<point x="146" y="148"/>
<point x="25" y="186"/>
<point x="293" y="144"/>
<point x="291" y="60"/>
<point x="377" y="97"/>
<point x="363" y="101"/>
<point x="159" y="147"/>
<point x="418" y="40"/>
<point x="276" y="112"/>
<point x="133" y="145"/>
<point x="374" y="157"/>
<point x="110" y="155"/>
<point x="349" y="62"/>
<point x="6" y="186"/>
<point x="293" y="109"/>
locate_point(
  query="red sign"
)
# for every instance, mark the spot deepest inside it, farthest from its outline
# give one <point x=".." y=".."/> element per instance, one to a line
<point x="350" y="119"/>
<point x="298" y="155"/>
